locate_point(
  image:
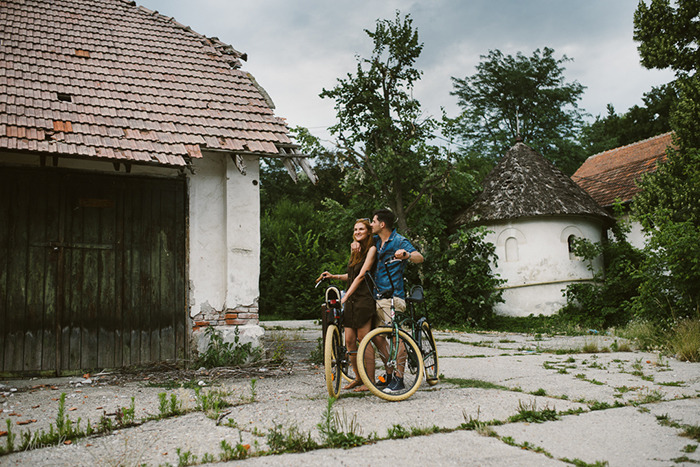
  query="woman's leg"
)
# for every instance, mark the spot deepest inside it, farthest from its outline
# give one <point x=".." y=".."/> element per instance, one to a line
<point x="369" y="358"/>
<point x="351" y="345"/>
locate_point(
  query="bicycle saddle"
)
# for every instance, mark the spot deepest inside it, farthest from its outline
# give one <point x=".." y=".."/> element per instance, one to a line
<point x="416" y="295"/>
<point x="332" y="297"/>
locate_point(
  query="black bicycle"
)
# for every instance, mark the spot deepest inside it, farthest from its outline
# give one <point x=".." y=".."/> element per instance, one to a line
<point x="404" y="348"/>
<point x="336" y="360"/>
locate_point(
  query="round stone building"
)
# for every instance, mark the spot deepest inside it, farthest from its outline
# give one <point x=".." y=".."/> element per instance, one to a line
<point x="533" y="212"/>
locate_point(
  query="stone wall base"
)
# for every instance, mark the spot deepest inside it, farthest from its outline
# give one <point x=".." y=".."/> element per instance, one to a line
<point x="226" y="322"/>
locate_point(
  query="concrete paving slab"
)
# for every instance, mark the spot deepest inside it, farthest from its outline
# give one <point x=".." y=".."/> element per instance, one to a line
<point x="624" y="436"/>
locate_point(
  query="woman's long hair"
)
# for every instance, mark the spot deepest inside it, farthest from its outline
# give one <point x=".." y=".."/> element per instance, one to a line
<point x="365" y="244"/>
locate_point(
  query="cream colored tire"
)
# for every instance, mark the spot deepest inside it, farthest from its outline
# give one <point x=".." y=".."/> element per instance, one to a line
<point x="403" y="354"/>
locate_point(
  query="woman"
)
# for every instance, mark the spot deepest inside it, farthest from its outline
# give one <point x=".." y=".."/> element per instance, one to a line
<point x="358" y="301"/>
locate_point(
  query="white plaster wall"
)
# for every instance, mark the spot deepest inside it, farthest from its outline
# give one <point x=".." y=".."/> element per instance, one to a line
<point x="224" y="235"/>
<point x="543" y="267"/>
<point x="243" y="234"/>
<point x="207" y="235"/>
<point x="636" y="236"/>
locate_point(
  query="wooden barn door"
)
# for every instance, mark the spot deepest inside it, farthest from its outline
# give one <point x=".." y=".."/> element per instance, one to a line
<point x="92" y="271"/>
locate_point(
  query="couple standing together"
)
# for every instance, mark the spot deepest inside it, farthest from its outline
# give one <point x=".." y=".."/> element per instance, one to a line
<point x="375" y="243"/>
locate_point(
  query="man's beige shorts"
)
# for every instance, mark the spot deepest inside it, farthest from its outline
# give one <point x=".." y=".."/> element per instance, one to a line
<point x="384" y="309"/>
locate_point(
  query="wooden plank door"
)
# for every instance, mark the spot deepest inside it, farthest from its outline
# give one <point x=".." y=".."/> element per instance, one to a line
<point x="92" y="271"/>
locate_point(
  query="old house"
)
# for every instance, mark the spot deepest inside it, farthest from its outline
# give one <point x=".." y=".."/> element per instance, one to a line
<point x="533" y="212"/>
<point x="129" y="194"/>
<point x="612" y="176"/>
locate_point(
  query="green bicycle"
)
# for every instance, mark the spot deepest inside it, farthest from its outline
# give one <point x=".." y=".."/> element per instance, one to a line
<point x="404" y="348"/>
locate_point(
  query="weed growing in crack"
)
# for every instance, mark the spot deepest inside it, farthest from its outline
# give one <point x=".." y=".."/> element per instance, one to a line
<point x="397" y="432"/>
<point x="337" y="432"/>
<point x="237" y="452"/>
<point x="529" y="413"/>
<point x="66" y="430"/>
<point x="579" y="463"/>
<point x="185" y="458"/>
<point x="168" y="407"/>
<point x="290" y="439"/>
<point x="210" y="401"/>
<point x="253" y="391"/>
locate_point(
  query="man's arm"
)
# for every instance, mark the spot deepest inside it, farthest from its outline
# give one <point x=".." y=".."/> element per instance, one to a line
<point x="413" y="256"/>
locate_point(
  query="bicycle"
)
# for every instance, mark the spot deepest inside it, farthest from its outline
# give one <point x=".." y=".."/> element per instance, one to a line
<point x="404" y="346"/>
<point x="336" y="359"/>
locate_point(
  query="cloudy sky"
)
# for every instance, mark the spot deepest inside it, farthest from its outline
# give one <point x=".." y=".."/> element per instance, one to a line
<point x="298" y="47"/>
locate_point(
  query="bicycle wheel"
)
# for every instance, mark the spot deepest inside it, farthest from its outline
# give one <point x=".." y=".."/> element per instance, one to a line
<point x="331" y="362"/>
<point x="383" y="352"/>
<point x="430" y="356"/>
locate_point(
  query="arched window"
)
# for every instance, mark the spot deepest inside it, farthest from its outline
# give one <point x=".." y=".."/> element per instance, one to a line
<point x="570" y="240"/>
<point x="511" y="249"/>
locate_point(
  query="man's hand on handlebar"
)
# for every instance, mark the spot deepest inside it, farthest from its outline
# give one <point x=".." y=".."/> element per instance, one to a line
<point x="402" y="254"/>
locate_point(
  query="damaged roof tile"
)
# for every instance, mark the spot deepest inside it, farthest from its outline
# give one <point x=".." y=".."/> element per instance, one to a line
<point x="125" y="83"/>
<point x="612" y="175"/>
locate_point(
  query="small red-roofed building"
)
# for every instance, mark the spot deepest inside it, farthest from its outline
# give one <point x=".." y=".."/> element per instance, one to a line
<point x="612" y="176"/>
<point x="129" y="186"/>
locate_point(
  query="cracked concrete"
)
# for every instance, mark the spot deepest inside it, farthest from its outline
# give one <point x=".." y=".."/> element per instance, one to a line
<point x="644" y="401"/>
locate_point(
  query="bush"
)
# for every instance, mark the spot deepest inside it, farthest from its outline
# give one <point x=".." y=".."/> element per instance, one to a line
<point x="684" y="340"/>
<point x="292" y="255"/>
<point x="461" y="288"/>
<point x="670" y="276"/>
<point x="607" y="300"/>
<point x="220" y="353"/>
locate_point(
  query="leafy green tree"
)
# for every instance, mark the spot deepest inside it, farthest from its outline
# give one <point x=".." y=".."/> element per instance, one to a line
<point x="293" y="253"/>
<point x="520" y="95"/>
<point x="668" y="37"/>
<point x="381" y="130"/>
<point x="461" y="288"/>
<point x="638" y="123"/>
<point x="669" y="211"/>
<point x="668" y="205"/>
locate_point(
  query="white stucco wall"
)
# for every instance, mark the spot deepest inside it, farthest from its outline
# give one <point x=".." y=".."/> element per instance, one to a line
<point x="533" y="257"/>
<point x="636" y="236"/>
<point x="224" y="242"/>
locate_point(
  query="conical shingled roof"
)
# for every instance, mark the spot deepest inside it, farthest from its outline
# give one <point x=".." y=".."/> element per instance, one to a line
<point x="525" y="184"/>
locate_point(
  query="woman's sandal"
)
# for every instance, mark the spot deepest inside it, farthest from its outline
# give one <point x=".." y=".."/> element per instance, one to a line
<point x="362" y="388"/>
<point x="353" y="384"/>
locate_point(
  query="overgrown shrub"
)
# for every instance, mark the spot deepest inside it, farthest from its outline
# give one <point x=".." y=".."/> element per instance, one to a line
<point x="669" y="212"/>
<point x="607" y="300"/>
<point x="220" y="353"/>
<point x="684" y="340"/>
<point x="292" y="255"/>
<point x="461" y="288"/>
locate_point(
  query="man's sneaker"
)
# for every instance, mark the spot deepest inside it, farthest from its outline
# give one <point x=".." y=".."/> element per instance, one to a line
<point x="396" y="385"/>
<point x="383" y="381"/>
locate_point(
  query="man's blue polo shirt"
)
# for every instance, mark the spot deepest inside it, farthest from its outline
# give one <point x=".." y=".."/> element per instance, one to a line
<point x="386" y="252"/>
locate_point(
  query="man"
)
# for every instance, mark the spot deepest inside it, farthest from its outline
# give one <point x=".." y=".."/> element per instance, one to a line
<point x="390" y="245"/>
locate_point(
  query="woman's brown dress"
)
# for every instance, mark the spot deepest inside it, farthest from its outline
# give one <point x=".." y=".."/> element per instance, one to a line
<point x="360" y="307"/>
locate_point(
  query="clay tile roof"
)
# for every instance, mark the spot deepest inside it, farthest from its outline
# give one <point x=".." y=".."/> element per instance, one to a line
<point x="524" y="185"/>
<point x="109" y="79"/>
<point x="612" y="175"/>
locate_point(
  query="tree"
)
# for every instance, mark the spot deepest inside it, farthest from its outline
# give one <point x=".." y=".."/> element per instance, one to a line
<point x="638" y="123"/>
<point x="667" y="35"/>
<point x="526" y="96"/>
<point x="381" y="131"/>
<point x="667" y="206"/>
<point x="668" y="38"/>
